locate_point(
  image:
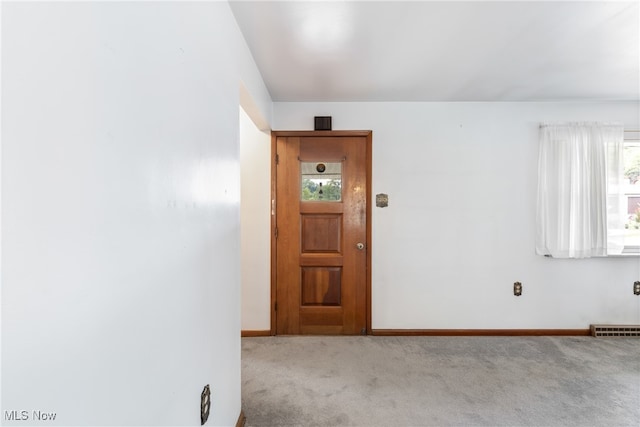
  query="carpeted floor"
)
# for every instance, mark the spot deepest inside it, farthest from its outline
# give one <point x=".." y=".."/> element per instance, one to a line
<point x="441" y="381"/>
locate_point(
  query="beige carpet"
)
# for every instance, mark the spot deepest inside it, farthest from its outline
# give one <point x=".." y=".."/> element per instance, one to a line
<point x="441" y="381"/>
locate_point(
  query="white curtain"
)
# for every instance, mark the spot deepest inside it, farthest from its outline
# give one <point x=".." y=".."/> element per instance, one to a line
<point x="616" y="200"/>
<point x="580" y="210"/>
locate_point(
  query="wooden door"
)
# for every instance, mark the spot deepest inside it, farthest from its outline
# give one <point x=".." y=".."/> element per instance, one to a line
<point x="322" y="232"/>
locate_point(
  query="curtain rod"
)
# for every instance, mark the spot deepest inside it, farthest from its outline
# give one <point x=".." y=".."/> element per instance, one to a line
<point x="544" y="125"/>
<point x="606" y="124"/>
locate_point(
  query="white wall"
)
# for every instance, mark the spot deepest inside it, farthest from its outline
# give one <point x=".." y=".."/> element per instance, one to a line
<point x="120" y="211"/>
<point x="255" y="224"/>
<point x="459" y="229"/>
<point x="254" y="96"/>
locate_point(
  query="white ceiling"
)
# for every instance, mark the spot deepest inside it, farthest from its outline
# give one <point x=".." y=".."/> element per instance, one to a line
<point x="444" y="50"/>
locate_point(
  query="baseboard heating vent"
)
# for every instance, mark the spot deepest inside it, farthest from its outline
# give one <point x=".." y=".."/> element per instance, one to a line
<point x="615" y="330"/>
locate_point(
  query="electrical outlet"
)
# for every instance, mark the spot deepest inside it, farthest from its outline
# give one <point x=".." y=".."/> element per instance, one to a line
<point x="517" y="289"/>
<point x="636" y="288"/>
<point x="205" y="404"/>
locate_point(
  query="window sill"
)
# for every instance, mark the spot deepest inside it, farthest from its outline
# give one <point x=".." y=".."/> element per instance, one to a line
<point x="627" y="252"/>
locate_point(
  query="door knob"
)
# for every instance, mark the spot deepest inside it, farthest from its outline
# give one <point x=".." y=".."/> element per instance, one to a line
<point x="360" y="246"/>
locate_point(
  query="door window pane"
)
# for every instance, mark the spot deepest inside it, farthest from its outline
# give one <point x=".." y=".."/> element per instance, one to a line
<point x="321" y="181"/>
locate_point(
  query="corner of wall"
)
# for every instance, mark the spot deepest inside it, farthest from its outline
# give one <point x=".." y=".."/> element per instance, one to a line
<point x="254" y="95"/>
<point x="254" y="112"/>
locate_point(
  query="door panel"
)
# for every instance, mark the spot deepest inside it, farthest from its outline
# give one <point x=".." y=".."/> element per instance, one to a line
<point x="321" y="233"/>
<point x="322" y="214"/>
<point x="321" y="286"/>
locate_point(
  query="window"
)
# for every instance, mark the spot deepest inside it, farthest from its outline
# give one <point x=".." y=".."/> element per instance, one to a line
<point x="631" y="196"/>
<point x="321" y="181"/>
<point x="587" y="199"/>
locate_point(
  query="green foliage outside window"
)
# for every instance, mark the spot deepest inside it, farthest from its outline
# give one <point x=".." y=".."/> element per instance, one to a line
<point x="329" y="191"/>
<point x="632" y="173"/>
<point x="632" y="164"/>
